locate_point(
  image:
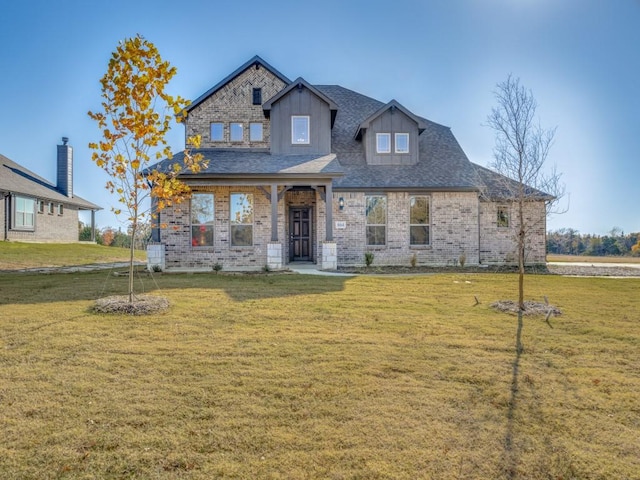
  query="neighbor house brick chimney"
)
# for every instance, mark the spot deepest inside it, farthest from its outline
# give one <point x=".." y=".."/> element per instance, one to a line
<point x="65" y="168"/>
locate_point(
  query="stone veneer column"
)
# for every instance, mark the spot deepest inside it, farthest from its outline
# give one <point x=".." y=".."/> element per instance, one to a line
<point x="274" y="256"/>
<point x="155" y="256"/>
<point x="329" y="256"/>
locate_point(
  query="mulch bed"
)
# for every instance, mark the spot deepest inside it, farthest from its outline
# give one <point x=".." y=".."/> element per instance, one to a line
<point x="141" y="305"/>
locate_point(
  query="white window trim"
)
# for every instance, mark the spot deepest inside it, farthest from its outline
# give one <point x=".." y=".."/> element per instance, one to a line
<point x="14" y="214"/>
<point x="60" y="210"/>
<point x="380" y="135"/>
<point x="395" y="139"/>
<point x="293" y="139"/>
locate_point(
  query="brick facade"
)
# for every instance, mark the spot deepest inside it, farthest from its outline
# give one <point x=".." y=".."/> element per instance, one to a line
<point x="49" y="227"/>
<point x="233" y="103"/>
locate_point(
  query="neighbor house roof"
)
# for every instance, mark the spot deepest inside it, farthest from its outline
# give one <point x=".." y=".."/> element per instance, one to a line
<point x="14" y="178"/>
<point x="499" y="187"/>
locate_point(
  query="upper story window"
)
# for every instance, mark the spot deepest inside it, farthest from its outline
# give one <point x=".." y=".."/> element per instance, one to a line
<point x="236" y="132"/>
<point x="376" y="219"/>
<point x="300" y="129"/>
<point x="241" y="218"/>
<point x="383" y="143"/>
<point x="24" y="210"/>
<point x="419" y="220"/>
<point x="401" y="142"/>
<point x="257" y="96"/>
<point x="202" y="219"/>
<point x="217" y="132"/>
<point x="255" y="132"/>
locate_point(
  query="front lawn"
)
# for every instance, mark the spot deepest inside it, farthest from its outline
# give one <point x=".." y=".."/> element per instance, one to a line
<point x="291" y="377"/>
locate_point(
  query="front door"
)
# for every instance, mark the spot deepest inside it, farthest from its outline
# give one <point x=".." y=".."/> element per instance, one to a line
<point x="300" y="234"/>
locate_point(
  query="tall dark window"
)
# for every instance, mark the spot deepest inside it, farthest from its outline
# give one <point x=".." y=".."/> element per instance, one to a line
<point x="257" y="96"/>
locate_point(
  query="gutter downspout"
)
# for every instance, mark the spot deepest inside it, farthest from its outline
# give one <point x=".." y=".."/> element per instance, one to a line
<point x="6" y="216"/>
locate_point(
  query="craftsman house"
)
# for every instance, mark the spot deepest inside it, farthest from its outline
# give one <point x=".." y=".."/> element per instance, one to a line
<point x="320" y="173"/>
<point x="35" y="210"/>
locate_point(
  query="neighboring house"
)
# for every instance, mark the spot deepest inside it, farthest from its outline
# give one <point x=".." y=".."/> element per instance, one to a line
<point x="323" y="174"/>
<point x="34" y="210"/>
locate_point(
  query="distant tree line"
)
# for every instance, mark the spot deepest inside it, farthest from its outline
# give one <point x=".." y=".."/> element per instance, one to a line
<point x="115" y="237"/>
<point x="567" y="241"/>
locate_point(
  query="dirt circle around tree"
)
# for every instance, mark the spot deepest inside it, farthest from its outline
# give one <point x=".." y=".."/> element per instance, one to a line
<point x="530" y="308"/>
<point x="141" y="305"/>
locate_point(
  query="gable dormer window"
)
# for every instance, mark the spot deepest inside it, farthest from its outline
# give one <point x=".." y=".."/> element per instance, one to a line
<point x="300" y="129"/>
<point x="383" y="143"/>
<point x="401" y="141"/>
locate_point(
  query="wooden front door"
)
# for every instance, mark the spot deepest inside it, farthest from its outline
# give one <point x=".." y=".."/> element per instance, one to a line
<point x="300" y="237"/>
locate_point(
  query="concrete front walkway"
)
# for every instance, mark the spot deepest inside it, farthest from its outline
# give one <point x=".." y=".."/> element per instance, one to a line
<point x="312" y="269"/>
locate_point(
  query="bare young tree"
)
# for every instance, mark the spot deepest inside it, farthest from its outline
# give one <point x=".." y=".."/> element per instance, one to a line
<point x="521" y="150"/>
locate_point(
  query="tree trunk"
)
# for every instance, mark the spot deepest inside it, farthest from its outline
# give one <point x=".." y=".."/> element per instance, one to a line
<point x="134" y="227"/>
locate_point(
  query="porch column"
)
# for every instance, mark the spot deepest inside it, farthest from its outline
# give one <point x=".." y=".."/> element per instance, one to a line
<point x="329" y="214"/>
<point x="274" y="212"/>
<point x="93" y="225"/>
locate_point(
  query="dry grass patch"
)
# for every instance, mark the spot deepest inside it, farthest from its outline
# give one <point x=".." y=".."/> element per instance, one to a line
<point x="318" y="377"/>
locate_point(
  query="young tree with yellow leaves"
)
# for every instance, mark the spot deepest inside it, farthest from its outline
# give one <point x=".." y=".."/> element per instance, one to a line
<point x="136" y="115"/>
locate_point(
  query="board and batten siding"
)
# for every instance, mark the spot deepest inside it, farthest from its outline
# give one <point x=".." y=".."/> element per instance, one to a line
<point x="301" y="102"/>
<point x="392" y="121"/>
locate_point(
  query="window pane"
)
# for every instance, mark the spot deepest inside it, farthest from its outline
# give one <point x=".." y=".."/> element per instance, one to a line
<point x="241" y="216"/>
<point x="201" y="235"/>
<point x="503" y="217"/>
<point x="419" y="211"/>
<point x="299" y="130"/>
<point x="419" y="235"/>
<point x="237" y="132"/>
<point x="24" y="211"/>
<point x="217" y="132"/>
<point x="241" y="208"/>
<point x="202" y="219"/>
<point x="241" y="235"/>
<point x="402" y="142"/>
<point x="376" y="235"/>
<point x="255" y="132"/>
<point x="376" y="210"/>
<point x="383" y="142"/>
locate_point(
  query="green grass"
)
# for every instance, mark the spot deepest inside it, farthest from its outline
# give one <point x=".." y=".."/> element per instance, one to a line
<point x="294" y="377"/>
<point x="15" y="255"/>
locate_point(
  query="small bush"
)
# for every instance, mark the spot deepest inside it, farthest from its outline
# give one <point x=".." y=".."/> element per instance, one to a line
<point x="216" y="267"/>
<point x="368" y="258"/>
<point x="156" y="268"/>
<point x="266" y="268"/>
<point x="414" y="260"/>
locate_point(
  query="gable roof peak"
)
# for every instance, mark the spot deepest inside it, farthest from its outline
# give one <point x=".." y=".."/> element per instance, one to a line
<point x="300" y="83"/>
<point x="255" y="61"/>
<point x="393" y="105"/>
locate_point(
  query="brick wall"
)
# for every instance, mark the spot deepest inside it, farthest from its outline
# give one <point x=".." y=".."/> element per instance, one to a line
<point x="498" y="245"/>
<point x="51" y="227"/>
<point x="453" y="230"/>
<point x="234" y="103"/>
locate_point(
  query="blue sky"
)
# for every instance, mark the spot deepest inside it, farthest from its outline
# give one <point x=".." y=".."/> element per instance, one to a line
<point x="439" y="58"/>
